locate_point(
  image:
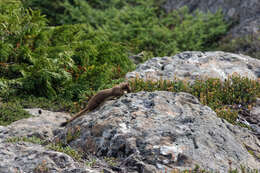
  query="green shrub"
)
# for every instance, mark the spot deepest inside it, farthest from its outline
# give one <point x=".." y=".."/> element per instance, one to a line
<point x="141" y="25"/>
<point x="234" y="90"/>
<point x="51" y="8"/>
<point x="33" y="139"/>
<point x="90" y="50"/>
<point x="227" y="114"/>
<point x="141" y="28"/>
<point x="18" y="30"/>
<point x="211" y="92"/>
<point x="70" y="60"/>
<point x="67" y="150"/>
<point x="64" y="61"/>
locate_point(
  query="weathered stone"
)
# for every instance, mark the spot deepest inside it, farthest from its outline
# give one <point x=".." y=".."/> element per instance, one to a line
<point x="197" y="65"/>
<point x="27" y="157"/>
<point x="41" y="124"/>
<point x="162" y="130"/>
<point x="145" y="132"/>
<point x="192" y="65"/>
<point x="251" y="117"/>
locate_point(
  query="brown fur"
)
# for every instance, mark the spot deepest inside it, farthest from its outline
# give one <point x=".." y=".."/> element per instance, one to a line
<point x="100" y="97"/>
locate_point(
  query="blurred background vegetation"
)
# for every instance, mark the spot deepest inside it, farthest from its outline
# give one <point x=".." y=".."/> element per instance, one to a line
<point x="55" y="54"/>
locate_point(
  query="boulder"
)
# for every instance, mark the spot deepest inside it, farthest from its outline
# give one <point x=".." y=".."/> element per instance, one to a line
<point x="158" y="131"/>
<point x="26" y="157"/>
<point x="251" y="117"/>
<point x="41" y="125"/>
<point x="194" y="65"/>
<point x="145" y="131"/>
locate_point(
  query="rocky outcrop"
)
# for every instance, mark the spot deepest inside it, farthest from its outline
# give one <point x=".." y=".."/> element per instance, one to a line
<point x="28" y="157"/>
<point x="190" y="66"/>
<point x="41" y="125"/>
<point x="246" y="13"/>
<point x="149" y="132"/>
<point x="251" y="117"/>
<point x="197" y="65"/>
<point x="145" y="131"/>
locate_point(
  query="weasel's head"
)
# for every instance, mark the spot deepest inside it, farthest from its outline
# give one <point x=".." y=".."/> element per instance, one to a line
<point x="125" y="87"/>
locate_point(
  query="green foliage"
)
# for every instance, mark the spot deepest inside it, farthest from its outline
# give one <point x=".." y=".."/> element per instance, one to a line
<point x="45" y="77"/>
<point x="196" y="33"/>
<point x="234" y="90"/>
<point x="10" y="112"/>
<point x="141" y="28"/>
<point x="32" y="139"/>
<point x="91" y="162"/>
<point x="64" y="61"/>
<point x="67" y="150"/>
<point x="141" y="25"/>
<point x="211" y="92"/>
<point x="18" y="30"/>
<point x="56" y="147"/>
<point x="89" y="50"/>
<point x="72" y="134"/>
<point x="49" y="7"/>
<point x="112" y="161"/>
<point x="227" y="114"/>
<point x="59" y="11"/>
<point x="57" y="104"/>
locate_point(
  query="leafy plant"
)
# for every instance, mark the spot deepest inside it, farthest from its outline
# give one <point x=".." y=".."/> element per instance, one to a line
<point x="141" y="25"/>
<point x="212" y="92"/>
<point x="64" y="61"/>
<point x="32" y="139"/>
<point x="141" y="28"/>
<point x="67" y="150"/>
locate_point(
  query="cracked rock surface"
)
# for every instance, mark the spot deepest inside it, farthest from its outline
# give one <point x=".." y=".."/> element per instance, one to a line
<point x="26" y="157"/>
<point x="144" y="132"/>
<point x="153" y="131"/>
<point x="193" y="65"/>
<point x="198" y="65"/>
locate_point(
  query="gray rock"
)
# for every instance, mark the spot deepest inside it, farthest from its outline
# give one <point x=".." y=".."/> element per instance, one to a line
<point x="247" y="13"/>
<point x="40" y="125"/>
<point x="27" y="157"/>
<point x="251" y="118"/>
<point x="149" y="132"/>
<point x="192" y="65"/>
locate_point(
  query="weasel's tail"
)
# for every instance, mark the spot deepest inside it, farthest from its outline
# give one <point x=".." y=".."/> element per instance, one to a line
<point x="73" y="118"/>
